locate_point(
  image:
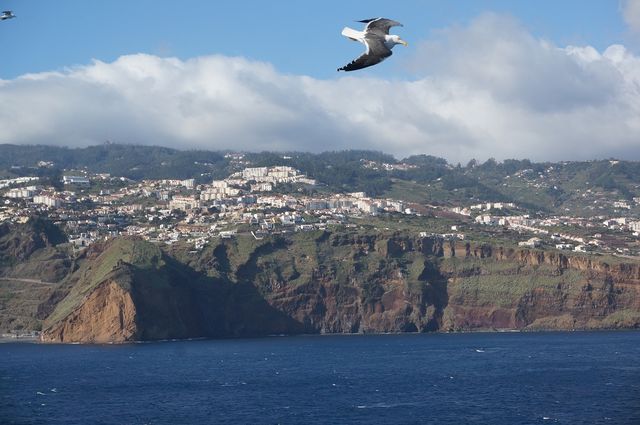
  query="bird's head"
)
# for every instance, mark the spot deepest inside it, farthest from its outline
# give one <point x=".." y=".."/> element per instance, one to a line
<point x="397" y="40"/>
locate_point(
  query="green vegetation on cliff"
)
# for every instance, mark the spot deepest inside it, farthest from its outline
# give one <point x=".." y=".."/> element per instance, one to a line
<point x="96" y="267"/>
<point x="367" y="279"/>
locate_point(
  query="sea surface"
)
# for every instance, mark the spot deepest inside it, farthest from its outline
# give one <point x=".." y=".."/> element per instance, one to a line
<point x="479" y="378"/>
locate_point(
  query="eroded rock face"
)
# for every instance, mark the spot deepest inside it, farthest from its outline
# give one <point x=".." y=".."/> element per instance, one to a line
<point x="107" y="315"/>
<point x="563" y="292"/>
<point x="341" y="283"/>
<point x="329" y="308"/>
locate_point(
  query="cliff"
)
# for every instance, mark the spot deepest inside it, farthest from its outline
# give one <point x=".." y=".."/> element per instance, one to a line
<point x="128" y="289"/>
<point x="534" y="289"/>
<point x="346" y="282"/>
<point x="33" y="260"/>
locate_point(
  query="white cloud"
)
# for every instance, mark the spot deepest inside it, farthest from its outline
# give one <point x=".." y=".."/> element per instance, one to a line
<point x="631" y="13"/>
<point x="489" y="89"/>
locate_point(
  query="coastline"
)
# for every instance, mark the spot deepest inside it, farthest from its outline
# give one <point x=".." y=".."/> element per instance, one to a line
<point x="37" y="340"/>
<point x="9" y="339"/>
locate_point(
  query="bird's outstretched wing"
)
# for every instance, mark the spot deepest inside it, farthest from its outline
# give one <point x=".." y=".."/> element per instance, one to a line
<point x="380" y="25"/>
<point x="376" y="53"/>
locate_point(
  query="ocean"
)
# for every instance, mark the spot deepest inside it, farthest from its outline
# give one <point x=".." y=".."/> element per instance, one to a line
<point x="475" y="378"/>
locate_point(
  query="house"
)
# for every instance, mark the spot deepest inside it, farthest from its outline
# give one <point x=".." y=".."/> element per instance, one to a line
<point x="80" y="180"/>
<point x="531" y="243"/>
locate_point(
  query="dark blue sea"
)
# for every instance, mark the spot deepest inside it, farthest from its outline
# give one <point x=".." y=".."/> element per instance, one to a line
<point x="488" y="378"/>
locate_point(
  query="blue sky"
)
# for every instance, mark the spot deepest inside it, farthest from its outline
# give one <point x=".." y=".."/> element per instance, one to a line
<point x="538" y="79"/>
<point x="299" y="37"/>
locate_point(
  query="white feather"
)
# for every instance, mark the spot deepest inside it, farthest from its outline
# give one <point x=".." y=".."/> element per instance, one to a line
<point x="354" y="35"/>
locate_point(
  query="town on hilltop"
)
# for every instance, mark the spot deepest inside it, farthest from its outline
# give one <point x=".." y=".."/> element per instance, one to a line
<point x="258" y="201"/>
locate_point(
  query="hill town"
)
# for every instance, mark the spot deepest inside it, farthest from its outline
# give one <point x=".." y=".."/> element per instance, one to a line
<point x="258" y="201"/>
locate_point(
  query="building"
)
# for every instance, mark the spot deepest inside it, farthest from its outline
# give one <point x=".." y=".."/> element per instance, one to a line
<point x="189" y="183"/>
<point x="49" y="201"/>
<point x="367" y="207"/>
<point x="564" y="246"/>
<point x="21" y="193"/>
<point x="247" y="200"/>
<point x="80" y="180"/>
<point x="282" y="172"/>
<point x="531" y="243"/>
<point x="489" y="220"/>
<point x="253" y="173"/>
<point x="184" y="203"/>
<point x="316" y="204"/>
<point x="221" y="184"/>
<point x="262" y="187"/>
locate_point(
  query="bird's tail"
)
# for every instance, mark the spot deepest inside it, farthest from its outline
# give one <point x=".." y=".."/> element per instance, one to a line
<point x="353" y="34"/>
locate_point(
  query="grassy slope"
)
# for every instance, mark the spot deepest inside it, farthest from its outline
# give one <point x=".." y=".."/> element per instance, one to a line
<point x="487" y="282"/>
<point x="19" y="303"/>
<point x="91" y="273"/>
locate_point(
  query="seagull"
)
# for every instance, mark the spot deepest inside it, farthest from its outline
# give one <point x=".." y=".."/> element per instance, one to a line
<point x="7" y="14"/>
<point x="377" y="39"/>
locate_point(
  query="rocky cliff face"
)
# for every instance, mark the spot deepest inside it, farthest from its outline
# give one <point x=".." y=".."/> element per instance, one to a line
<point x="108" y="314"/>
<point x="322" y="282"/>
<point x="532" y="289"/>
<point x="128" y="290"/>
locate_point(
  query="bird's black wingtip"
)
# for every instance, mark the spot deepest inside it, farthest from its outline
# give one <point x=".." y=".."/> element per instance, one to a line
<point x="366" y="21"/>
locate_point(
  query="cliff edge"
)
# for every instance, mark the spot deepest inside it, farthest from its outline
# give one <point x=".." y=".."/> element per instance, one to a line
<point x="346" y="282"/>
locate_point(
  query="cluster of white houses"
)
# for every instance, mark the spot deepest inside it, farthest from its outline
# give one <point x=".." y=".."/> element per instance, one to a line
<point x="37" y="196"/>
<point x="148" y="208"/>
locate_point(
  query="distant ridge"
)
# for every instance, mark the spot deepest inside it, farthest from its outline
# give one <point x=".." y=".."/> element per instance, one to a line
<point x="545" y="186"/>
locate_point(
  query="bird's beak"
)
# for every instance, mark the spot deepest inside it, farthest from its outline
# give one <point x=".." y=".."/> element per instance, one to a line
<point x="404" y="43"/>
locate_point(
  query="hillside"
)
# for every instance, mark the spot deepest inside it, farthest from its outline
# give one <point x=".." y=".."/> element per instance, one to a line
<point x="335" y="282"/>
<point x="584" y="188"/>
<point x="33" y="260"/>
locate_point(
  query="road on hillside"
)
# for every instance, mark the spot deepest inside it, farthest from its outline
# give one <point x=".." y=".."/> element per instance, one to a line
<point x="17" y="279"/>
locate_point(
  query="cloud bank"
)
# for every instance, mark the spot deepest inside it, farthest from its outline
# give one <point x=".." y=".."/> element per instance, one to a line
<point x="489" y="89"/>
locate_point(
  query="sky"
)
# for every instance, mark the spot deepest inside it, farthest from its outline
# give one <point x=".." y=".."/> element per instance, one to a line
<point x="544" y="79"/>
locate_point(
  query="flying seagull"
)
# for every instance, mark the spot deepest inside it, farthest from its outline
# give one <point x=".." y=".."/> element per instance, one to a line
<point x="377" y="39"/>
<point x="7" y="14"/>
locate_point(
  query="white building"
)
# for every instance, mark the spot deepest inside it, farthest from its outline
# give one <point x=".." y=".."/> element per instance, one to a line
<point x="184" y="203"/>
<point x="20" y="193"/>
<point x="564" y="246"/>
<point x="75" y="180"/>
<point x="262" y="187"/>
<point x="367" y="207"/>
<point x="219" y="184"/>
<point x="531" y="243"/>
<point x="49" y="201"/>
<point x="488" y="220"/>
<point x="188" y="183"/>
<point x="253" y="173"/>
